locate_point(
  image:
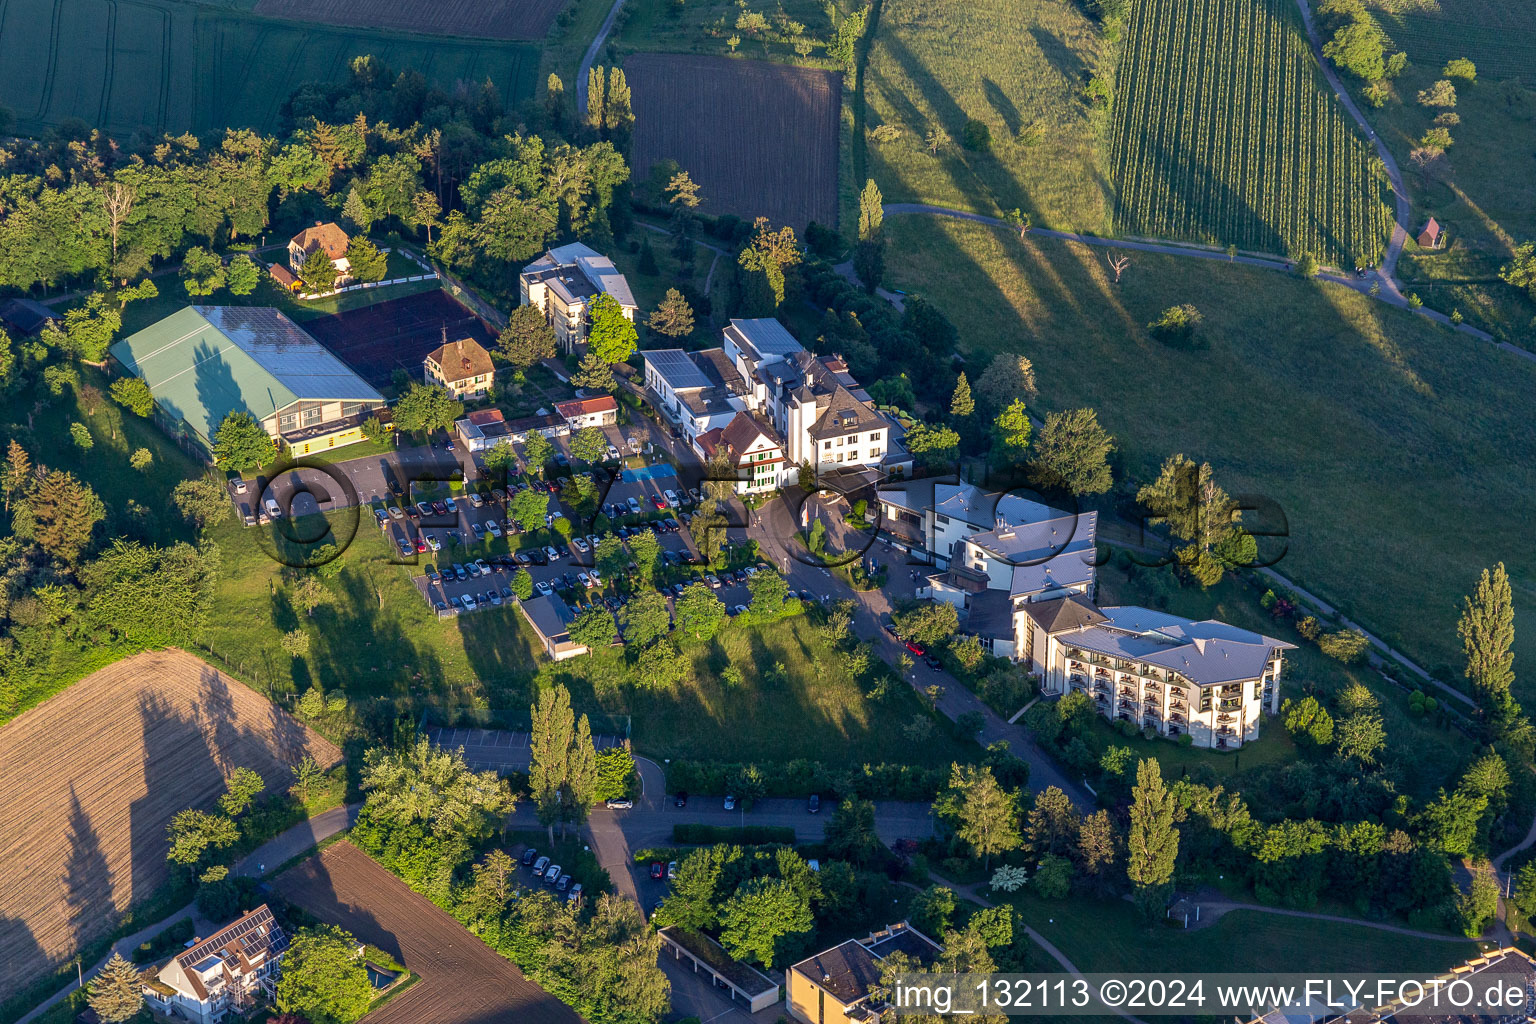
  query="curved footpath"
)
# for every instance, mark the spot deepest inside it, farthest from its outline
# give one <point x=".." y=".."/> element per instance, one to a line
<point x="275" y="852"/>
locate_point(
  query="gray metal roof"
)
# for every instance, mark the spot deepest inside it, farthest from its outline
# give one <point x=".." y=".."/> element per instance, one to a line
<point x="764" y="336"/>
<point x="674" y="367"/>
<point x="1206" y="652"/>
<point x="287" y="352"/>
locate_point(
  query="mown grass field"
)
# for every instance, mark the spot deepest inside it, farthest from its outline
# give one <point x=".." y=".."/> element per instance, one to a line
<point x="1499" y="35"/>
<point x="1226" y="133"/>
<point x="378" y="639"/>
<point x="173" y="67"/>
<point x="1401" y="458"/>
<point x="1009" y="64"/>
<point x="1108" y="935"/>
<point x="1484" y="190"/>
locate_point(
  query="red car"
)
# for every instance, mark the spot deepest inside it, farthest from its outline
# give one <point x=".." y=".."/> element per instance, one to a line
<point x="659" y="501"/>
<point x="658" y="870"/>
<point x="914" y="648"/>
<point x="421" y="546"/>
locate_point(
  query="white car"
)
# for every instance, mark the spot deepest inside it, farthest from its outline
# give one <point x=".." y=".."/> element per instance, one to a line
<point x="434" y="543"/>
<point x="475" y="500"/>
<point x="493" y="528"/>
<point x="597" y="578"/>
<point x="634" y="506"/>
<point x="485" y="570"/>
<point x="469" y="602"/>
<point x="551" y="553"/>
<point x="544" y="588"/>
<point x="586" y="581"/>
<point x="671" y="497"/>
<point x="580" y="544"/>
<point x="613" y="453"/>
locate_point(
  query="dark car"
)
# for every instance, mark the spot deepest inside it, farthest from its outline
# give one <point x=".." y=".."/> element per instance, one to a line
<point x="814" y="803"/>
<point x="682" y="798"/>
<point x="440" y="508"/>
<point x="658" y="870"/>
<point x="529" y="855"/>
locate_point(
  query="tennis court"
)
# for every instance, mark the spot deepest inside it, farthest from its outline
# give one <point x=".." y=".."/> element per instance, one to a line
<point x="376" y="340"/>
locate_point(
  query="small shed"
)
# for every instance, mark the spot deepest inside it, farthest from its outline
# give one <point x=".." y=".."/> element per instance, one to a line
<point x="284" y="277"/>
<point x="1433" y="235"/>
<point x="1184" y="910"/>
<point x="26" y="316"/>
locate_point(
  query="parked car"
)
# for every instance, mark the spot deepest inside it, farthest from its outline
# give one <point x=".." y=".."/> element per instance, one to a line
<point x="434" y="543"/>
<point x="539" y="866"/>
<point x="580" y="544"/>
<point x="493" y="528"/>
<point x="915" y="648"/>
<point x="475" y="501"/>
<point x="585" y="580"/>
<point x="485" y="570"/>
<point x="422" y="508"/>
<point x="682" y="798"/>
<point x="658" y="501"/>
<point x="452" y="507"/>
<point x="544" y="588"/>
<point x="730" y="803"/>
<point x="439" y="508"/>
<point x="613" y="453"/>
<point x="575" y="896"/>
<point x="658" y="870"/>
<point x="739" y="609"/>
<point x="671" y="497"/>
<point x="495" y="596"/>
<point x="597" y="577"/>
<point x="713" y="581"/>
<point x="458" y="571"/>
<point x="421" y="546"/>
<point x="479" y="531"/>
<point x="552" y="874"/>
<point x="634" y="506"/>
<point x="381" y="515"/>
<point x="563" y="883"/>
<point x="498" y="494"/>
<point x="470" y="603"/>
<point x="671" y="870"/>
<point x="272" y="508"/>
<point x="813" y="805"/>
<point x="529" y="855"/>
<point x="621" y="803"/>
<point x="433" y="577"/>
<point x="551" y="554"/>
<point x="395" y="513"/>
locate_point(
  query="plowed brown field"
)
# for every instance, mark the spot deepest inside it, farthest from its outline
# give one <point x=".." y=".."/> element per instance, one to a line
<point x="90" y="779"/>
<point x="760" y="139"/>
<point x="463" y="981"/>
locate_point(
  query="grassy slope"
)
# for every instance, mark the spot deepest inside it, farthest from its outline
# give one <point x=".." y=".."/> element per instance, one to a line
<point x="660" y="25"/>
<point x="1421" y="755"/>
<point x="392" y="646"/>
<point x="1488" y="200"/>
<point x="1005" y="62"/>
<point x="1393" y="446"/>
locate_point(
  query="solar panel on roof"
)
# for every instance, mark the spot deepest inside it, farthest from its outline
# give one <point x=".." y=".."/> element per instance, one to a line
<point x="680" y="371"/>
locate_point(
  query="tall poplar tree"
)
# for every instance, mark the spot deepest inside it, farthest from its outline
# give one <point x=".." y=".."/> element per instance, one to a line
<point x="1487" y="631"/>
<point x="550" y="743"/>
<point x="1153" y="844"/>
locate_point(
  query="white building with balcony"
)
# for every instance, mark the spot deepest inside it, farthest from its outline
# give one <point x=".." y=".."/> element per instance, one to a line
<point x="1210" y="680"/>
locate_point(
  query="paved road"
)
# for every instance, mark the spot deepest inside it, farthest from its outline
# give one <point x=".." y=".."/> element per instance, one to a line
<point x="772" y="527"/>
<point x="590" y="57"/>
<point x="268" y="856"/>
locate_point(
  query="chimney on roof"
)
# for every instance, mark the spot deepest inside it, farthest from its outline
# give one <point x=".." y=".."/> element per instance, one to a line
<point x="319" y="223"/>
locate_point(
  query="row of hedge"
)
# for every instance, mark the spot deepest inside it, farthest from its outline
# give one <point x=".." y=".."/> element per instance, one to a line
<point x="744" y="835"/>
<point x="802" y="777"/>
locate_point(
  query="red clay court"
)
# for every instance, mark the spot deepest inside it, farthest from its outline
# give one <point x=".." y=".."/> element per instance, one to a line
<point x="376" y="340"/>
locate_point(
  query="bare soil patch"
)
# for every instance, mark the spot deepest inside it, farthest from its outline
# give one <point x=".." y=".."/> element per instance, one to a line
<point x="760" y="139"/>
<point x="92" y="778"/>
<point x="463" y="981"/>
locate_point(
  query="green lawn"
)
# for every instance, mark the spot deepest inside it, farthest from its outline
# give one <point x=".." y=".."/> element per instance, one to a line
<point x="1401" y="461"/>
<point x="1007" y="63"/>
<point x="1422" y="754"/>
<point x="1483" y="193"/>
<point x="140" y="314"/>
<point x="704" y="26"/>
<point x="378" y="639"/>
<point x="1108" y="935"/>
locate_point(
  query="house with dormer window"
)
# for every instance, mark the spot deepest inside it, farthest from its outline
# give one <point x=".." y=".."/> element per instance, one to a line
<point x="230" y="972"/>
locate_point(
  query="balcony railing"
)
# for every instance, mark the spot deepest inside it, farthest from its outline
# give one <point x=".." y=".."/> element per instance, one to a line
<point x="1231" y="703"/>
<point x="1176" y="717"/>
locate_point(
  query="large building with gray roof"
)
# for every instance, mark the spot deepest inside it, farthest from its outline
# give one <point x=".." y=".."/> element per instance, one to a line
<point x="1210" y="680"/>
<point x="562" y="284"/>
<point x="204" y="362"/>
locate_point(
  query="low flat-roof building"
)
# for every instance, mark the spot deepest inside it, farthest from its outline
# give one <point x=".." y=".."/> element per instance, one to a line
<point x="549" y="617"/>
<point x="204" y="362"/>
<point x="24" y="317"/>
<point x="564" y="281"/>
<point x="483" y="429"/>
<point x="602" y="411"/>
